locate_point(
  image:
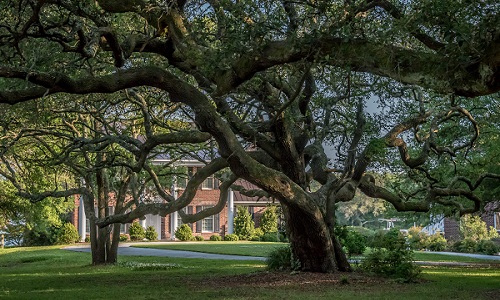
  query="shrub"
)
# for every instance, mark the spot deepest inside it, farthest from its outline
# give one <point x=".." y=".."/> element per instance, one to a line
<point x="377" y="240"/>
<point x="271" y="237"/>
<point x="215" y="238"/>
<point x="184" y="233"/>
<point x="467" y="245"/>
<point x="123" y="237"/>
<point x="40" y="237"/>
<point x="151" y="233"/>
<point x="136" y="232"/>
<point x="67" y="234"/>
<point x="254" y="238"/>
<point x="394" y="260"/>
<point x="281" y="259"/>
<point x="472" y="227"/>
<point x="435" y="242"/>
<point x="487" y="247"/>
<point x="231" y="237"/>
<point x="269" y="220"/>
<point x="354" y="242"/>
<point x="243" y="223"/>
<point x="397" y="263"/>
<point x="199" y="238"/>
<point x="259" y="232"/>
<point x="416" y="238"/>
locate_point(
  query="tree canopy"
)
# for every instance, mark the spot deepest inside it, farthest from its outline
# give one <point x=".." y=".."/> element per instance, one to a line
<point x="304" y="99"/>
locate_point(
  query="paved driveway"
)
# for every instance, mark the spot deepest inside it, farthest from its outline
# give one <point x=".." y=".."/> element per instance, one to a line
<point x="125" y="249"/>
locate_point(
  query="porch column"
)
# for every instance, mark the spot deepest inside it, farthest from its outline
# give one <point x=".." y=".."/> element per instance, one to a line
<point x="174" y="224"/>
<point x="82" y="220"/>
<point x="230" y="212"/>
<point x="173" y="216"/>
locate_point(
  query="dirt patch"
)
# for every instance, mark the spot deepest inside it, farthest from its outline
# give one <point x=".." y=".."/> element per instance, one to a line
<point x="304" y="279"/>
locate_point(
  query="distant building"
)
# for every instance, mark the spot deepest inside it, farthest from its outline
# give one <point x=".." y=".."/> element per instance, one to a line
<point x="207" y="196"/>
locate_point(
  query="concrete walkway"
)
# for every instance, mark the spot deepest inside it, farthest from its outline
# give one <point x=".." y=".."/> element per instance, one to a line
<point x="125" y="249"/>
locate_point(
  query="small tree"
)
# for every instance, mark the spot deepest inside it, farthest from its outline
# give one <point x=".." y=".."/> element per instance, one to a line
<point x="136" y="232"/>
<point x="472" y="227"/>
<point x="269" y="220"/>
<point x="243" y="224"/>
<point x="67" y="234"/>
<point x="151" y="233"/>
<point x="184" y="233"/>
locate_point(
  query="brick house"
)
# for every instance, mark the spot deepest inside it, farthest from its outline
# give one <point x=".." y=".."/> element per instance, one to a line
<point x="207" y="195"/>
<point x="450" y="227"/>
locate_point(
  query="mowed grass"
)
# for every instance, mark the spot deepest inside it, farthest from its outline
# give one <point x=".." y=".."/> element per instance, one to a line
<point x="51" y="273"/>
<point x="233" y="248"/>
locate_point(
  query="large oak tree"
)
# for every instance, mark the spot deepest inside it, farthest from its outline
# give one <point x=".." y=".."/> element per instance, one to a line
<point x="275" y="82"/>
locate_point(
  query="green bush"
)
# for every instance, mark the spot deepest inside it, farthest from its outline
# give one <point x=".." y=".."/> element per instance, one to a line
<point x="474" y="228"/>
<point x="435" y="242"/>
<point x="258" y="232"/>
<point x="269" y="220"/>
<point x="377" y="240"/>
<point x="416" y="238"/>
<point x="487" y="247"/>
<point x="354" y="243"/>
<point x="231" y="237"/>
<point x="393" y="260"/>
<point x="254" y="238"/>
<point x="467" y="246"/>
<point x="270" y="237"/>
<point x="151" y="234"/>
<point x="136" y="232"/>
<point x="243" y="223"/>
<point x="281" y="259"/>
<point x="396" y="263"/>
<point x="199" y="238"/>
<point x="215" y="238"/>
<point x="67" y="234"/>
<point x="40" y="237"/>
<point x="123" y="237"/>
<point x="184" y="233"/>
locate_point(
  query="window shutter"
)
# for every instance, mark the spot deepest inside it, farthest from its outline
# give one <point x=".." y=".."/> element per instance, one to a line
<point x="199" y="223"/>
<point x="216" y="223"/>
<point x="190" y="212"/>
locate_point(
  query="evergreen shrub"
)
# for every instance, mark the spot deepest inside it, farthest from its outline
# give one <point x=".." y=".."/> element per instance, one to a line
<point x="184" y="233"/>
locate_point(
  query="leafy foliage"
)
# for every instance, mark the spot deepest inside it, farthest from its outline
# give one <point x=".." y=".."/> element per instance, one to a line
<point x="281" y="259"/>
<point x="231" y="237"/>
<point x="243" y="223"/>
<point x="472" y="227"/>
<point x="215" y="237"/>
<point x="394" y="260"/>
<point x="184" y="233"/>
<point x="67" y="234"/>
<point x="151" y="233"/>
<point x="136" y="232"/>
<point x="269" y="220"/>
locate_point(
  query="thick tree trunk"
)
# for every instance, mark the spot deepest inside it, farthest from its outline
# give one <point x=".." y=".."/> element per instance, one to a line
<point x="113" y="247"/>
<point x="312" y="243"/>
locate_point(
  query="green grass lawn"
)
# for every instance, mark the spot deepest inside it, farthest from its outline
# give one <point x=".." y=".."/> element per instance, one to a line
<point x="233" y="248"/>
<point x="51" y="273"/>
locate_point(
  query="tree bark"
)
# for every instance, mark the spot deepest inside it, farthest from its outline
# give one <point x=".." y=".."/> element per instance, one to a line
<point x="311" y="242"/>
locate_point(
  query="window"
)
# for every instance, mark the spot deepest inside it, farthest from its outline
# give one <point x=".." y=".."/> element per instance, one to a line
<point x="188" y="210"/>
<point x="209" y="224"/>
<point x="208" y="184"/>
<point x="183" y="180"/>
